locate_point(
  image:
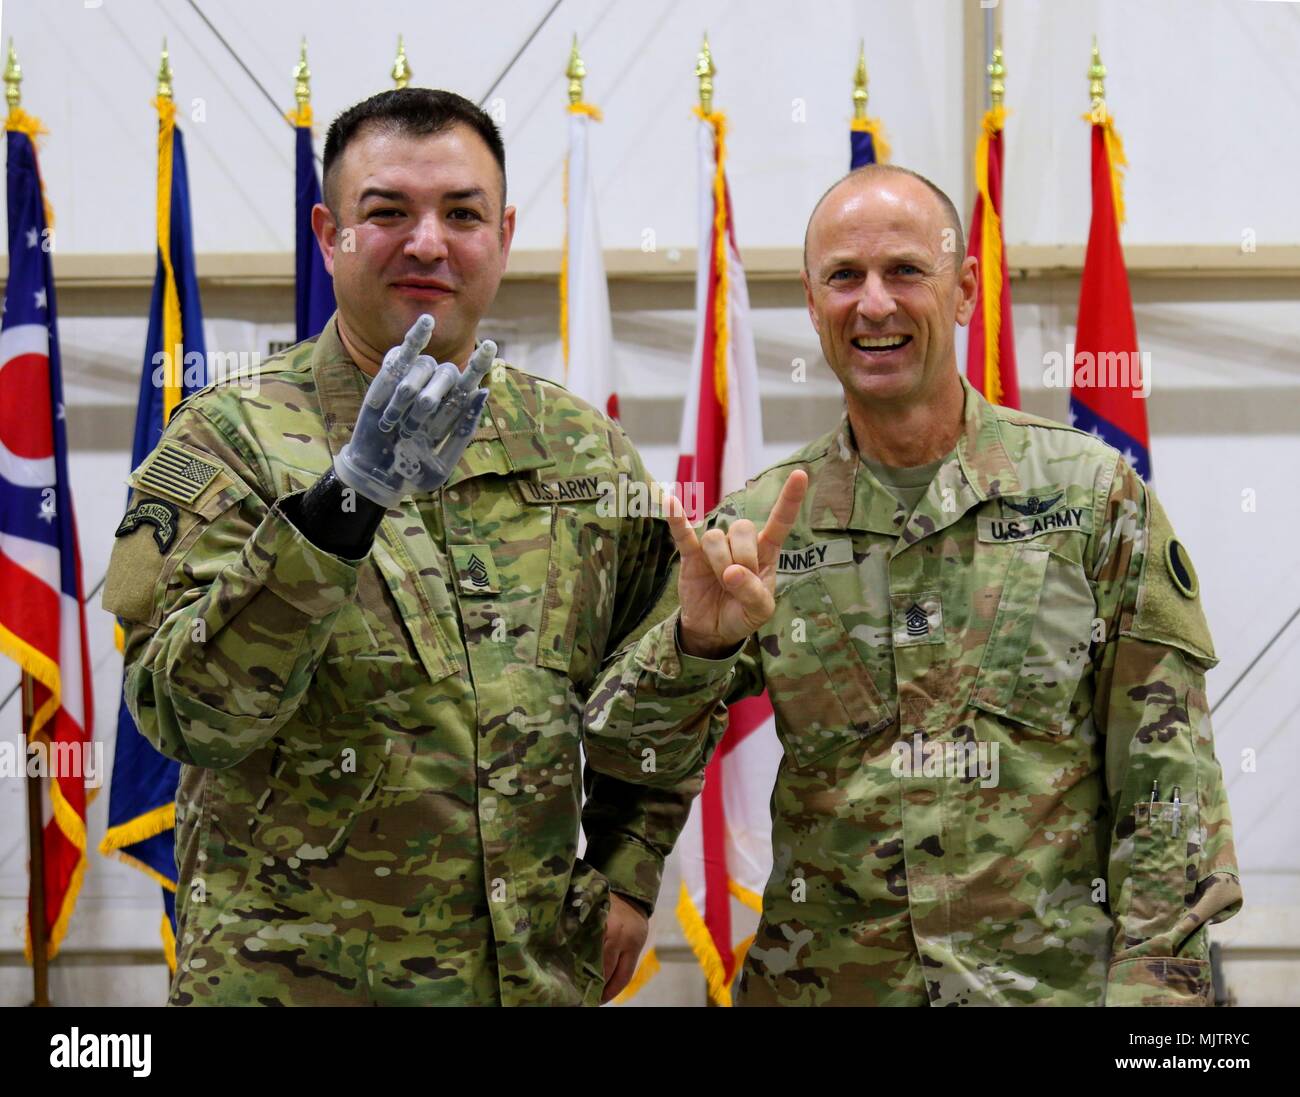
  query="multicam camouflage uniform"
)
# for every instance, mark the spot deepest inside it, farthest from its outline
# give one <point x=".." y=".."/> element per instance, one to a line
<point x="380" y="796"/>
<point x="1035" y="600"/>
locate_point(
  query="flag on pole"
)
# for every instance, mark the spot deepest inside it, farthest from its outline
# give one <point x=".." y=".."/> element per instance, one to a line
<point x="586" y="336"/>
<point x="867" y="144"/>
<point x="1107" y="386"/>
<point x="313" y="287"/>
<point x="141" y="806"/>
<point x="42" y="616"/>
<point x="991" y="346"/>
<point x="726" y="844"/>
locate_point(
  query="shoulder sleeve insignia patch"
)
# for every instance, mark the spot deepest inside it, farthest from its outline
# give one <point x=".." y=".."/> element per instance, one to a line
<point x="161" y="515"/>
<point x="1180" y="568"/>
<point x="176" y="473"/>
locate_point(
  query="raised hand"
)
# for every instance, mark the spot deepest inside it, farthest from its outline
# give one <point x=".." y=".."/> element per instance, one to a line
<point x="416" y="420"/>
<point x="727" y="581"/>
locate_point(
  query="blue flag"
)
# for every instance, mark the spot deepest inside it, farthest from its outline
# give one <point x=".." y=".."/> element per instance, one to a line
<point x="862" y="148"/>
<point x="141" y="808"/>
<point x="315" y="288"/>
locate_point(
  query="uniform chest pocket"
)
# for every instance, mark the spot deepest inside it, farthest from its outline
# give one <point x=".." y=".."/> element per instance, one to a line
<point x="578" y="602"/>
<point x="369" y="655"/>
<point x="821" y="690"/>
<point x="1038" y="646"/>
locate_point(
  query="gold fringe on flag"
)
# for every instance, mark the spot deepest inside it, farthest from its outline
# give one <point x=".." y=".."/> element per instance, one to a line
<point x="721" y="332"/>
<point x="173" y="334"/>
<point x="990" y="257"/>
<point x="19" y="121"/>
<point x="706" y="952"/>
<point x="1114" y="156"/>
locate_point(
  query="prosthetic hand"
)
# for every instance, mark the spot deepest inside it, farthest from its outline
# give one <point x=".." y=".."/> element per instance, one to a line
<point x="416" y="420"/>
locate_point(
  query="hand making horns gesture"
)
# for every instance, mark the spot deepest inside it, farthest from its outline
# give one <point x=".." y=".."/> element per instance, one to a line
<point x="727" y="582"/>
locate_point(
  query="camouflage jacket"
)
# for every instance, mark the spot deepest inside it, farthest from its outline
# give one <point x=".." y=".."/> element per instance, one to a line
<point x="975" y="703"/>
<point x="380" y="795"/>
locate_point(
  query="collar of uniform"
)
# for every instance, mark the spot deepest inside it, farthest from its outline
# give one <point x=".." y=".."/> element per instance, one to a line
<point x="507" y="439"/>
<point x="977" y="469"/>
<point x="340" y="385"/>
<point x="846" y="496"/>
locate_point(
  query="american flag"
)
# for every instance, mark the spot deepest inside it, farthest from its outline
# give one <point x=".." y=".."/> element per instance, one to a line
<point x="42" y="617"/>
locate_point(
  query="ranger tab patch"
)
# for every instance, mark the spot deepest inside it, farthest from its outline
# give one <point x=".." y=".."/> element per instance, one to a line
<point x="796" y="561"/>
<point x="151" y="512"/>
<point x="175" y="472"/>
<point x="572" y="489"/>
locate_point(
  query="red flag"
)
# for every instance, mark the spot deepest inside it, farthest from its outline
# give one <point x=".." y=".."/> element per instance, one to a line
<point x="726" y="845"/>
<point x="1108" y="383"/>
<point x="991" y="350"/>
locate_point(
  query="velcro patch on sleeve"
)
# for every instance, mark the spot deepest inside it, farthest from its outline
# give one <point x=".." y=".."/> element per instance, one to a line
<point x="175" y="472"/>
<point x="1168" y="603"/>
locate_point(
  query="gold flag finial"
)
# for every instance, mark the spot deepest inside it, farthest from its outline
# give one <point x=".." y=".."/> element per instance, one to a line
<point x="704" y="71"/>
<point x="401" y="67"/>
<point x="302" y="78"/>
<point x="860" y="82"/>
<point x="13" y="77"/>
<point x="165" y="73"/>
<point x="997" y="75"/>
<point x="1097" y="79"/>
<point x="576" y="72"/>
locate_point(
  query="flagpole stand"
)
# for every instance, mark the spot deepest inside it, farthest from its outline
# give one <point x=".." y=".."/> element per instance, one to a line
<point x="36" y="861"/>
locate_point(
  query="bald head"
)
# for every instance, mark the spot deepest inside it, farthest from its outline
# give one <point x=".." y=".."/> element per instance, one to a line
<point x="874" y="175"/>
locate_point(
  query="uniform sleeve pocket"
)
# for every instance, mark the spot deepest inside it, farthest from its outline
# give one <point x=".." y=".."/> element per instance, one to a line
<point x="1161" y="868"/>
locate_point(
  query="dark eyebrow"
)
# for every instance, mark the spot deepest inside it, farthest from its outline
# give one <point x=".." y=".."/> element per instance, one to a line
<point x="465" y="195"/>
<point x="380" y="192"/>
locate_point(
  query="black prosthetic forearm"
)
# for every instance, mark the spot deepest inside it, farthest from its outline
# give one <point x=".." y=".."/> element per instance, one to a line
<point x="334" y="517"/>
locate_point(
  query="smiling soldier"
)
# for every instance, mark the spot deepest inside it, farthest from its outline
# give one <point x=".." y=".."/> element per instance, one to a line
<point x="370" y="651"/>
<point x="959" y="576"/>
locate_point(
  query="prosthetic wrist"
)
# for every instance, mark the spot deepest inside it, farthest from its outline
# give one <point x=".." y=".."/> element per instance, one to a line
<point x="334" y="517"/>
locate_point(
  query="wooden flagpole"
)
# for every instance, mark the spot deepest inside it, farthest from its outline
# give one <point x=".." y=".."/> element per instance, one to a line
<point x="36" y="861"/>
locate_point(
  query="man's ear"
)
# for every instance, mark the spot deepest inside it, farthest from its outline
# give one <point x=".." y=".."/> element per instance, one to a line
<point x="808" y="300"/>
<point x="325" y="230"/>
<point x="507" y="231"/>
<point x="968" y="286"/>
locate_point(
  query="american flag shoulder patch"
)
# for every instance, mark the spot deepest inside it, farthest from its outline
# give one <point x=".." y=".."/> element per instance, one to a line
<point x="175" y="472"/>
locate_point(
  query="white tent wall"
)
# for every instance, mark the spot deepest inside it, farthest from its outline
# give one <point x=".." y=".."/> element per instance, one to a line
<point x="1205" y="94"/>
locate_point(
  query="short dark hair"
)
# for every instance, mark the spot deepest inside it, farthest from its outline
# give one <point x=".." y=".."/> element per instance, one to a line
<point x="950" y="210"/>
<point x="418" y="112"/>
